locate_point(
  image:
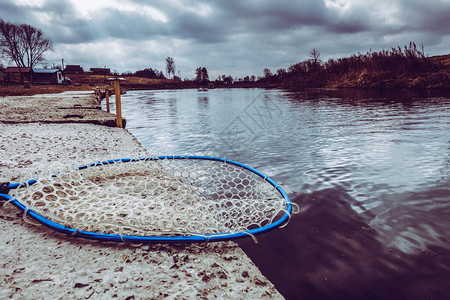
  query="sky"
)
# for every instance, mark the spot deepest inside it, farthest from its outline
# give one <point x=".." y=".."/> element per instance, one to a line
<point x="228" y="37"/>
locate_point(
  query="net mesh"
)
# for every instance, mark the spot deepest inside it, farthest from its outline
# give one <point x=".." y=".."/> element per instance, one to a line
<point x="162" y="197"/>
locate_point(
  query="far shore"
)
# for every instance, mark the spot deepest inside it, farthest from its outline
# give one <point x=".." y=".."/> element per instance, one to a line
<point x="20" y="90"/>
<point x="391" y="69"/>
<point x="436" y="76"/>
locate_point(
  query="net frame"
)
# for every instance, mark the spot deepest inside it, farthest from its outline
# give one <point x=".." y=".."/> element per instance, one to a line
<point x="214" y="237"/>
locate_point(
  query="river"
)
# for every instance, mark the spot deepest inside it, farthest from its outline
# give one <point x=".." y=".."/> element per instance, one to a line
<point x="370" y="171"/>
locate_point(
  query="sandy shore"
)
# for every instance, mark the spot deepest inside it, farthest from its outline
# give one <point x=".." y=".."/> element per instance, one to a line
<point x="38" y="263"/>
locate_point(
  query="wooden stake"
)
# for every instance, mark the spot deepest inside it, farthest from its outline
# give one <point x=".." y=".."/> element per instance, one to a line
<point x="107" y="99"/>
<point x="118" y="104"/>
<point x="98" y="92"/>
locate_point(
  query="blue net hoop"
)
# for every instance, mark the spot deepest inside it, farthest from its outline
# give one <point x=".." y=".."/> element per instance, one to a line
<point x="197" y="238"/>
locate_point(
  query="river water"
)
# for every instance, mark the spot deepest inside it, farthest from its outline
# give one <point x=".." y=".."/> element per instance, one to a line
<point x="370" y="171"/>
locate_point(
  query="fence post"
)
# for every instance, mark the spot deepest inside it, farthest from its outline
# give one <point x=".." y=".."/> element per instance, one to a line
<point x="107" y="98"/>
<point x="118" y="103"/>
<point x="98" y="95"/>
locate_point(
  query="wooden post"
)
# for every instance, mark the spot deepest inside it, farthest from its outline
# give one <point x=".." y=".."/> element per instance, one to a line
<point x="107" y="98"/>
<point x="118" y="104"/>
<point x="98" y="95"/>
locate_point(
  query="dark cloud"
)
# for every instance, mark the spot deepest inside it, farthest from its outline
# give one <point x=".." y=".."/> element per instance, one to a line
<point x="11" y="12"/>
<point x="129" y="26"/>
<point x="74" y="32"/>
<point x="426" y="16"/>
<point x="274" y="15"/>
<point x="58" y="9"/>
<point x="203" y="29"/>
<point x="9" y="9"/>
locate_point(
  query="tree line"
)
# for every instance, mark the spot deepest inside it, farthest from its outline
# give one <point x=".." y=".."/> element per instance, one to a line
<point x="146" y="73"/>
<point x="384" y="64"/>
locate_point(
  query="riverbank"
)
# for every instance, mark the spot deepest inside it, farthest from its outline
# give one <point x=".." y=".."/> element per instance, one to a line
<point x="437" y="77"/>
<point x="345" y="73"/>
<point x="38" y="263"/>
<point x="378" y="70"/>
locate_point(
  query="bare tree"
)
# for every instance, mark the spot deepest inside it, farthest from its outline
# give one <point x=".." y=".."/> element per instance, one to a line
<point x="23" y="44"/>
<point x="315" y="58"/>
<point x="170" y="66"/>
<point x="315" y="54"/>
<point x="198" y="74"/>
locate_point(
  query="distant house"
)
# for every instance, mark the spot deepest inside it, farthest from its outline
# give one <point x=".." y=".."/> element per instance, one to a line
<point x="48" y="76"/>
<point x="101" y="71"/>
<point x="14" y="74"/>
<point x="73" y="69"/>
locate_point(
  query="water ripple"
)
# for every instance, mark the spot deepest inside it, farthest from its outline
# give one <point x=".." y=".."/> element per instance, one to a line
<point x="382" y="148"/>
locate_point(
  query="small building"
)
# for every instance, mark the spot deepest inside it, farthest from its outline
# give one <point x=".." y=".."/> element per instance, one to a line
<point x="74" y="69"/>
<point x="48" y="76"/>
<point x="16" y="74"/>
<point x="101" y="71"/>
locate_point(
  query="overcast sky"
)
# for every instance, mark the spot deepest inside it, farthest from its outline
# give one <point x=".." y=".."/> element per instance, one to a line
<point x="229" y="37"/>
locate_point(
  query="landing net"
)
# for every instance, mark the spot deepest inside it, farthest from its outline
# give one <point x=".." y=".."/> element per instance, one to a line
<point x="159" y="199"/>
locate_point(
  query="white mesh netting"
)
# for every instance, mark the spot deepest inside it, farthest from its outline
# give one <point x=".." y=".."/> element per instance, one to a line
<point x="163" y="197"/>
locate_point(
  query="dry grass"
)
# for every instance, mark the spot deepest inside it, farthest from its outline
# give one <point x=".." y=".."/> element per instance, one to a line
<point x="19" y="90"/>
<point x="441" y="59"/>
<point x="97" y="80"/>
<point x="79" y="83"/>
<point x="140" y="80"/>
